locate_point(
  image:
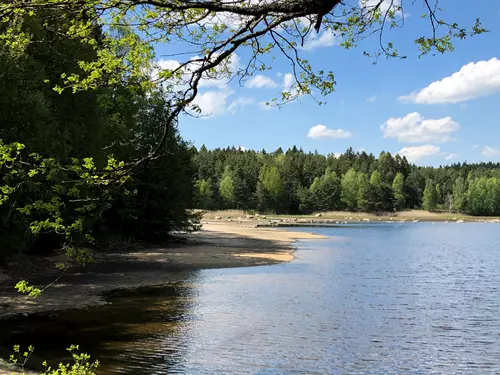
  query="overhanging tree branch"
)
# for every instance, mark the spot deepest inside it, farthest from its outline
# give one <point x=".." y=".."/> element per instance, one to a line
<point x="217" y="29"/>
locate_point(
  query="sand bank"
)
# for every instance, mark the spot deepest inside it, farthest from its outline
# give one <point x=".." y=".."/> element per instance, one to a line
<point x="218" y="245"/>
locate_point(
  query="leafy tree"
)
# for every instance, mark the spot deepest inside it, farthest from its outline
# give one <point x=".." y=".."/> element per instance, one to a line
<point x="326" y="192"/>
<point x="272" y="182"/>
<point x="283" y="24"/>
<point x="204" y="193"/>
<point x="349" y="192"/>
<point x="226" y="187"/>
<point x="376" y="179"/>
<point x="430" y="196"/>
<point x="363" y="192"/>
<point x="399" y="193"/>
<point x="460" y="194"/>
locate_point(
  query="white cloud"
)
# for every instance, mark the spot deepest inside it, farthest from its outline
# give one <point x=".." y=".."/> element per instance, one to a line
<point x="415" y="153"/>
<point x="213" y="103"/>
<point x="169" y="64"/>
<point x="217" y="103"/>
<point x="490" y="152"/>
<point x="242" y="148"/>
<point x="451" y="156"/>
<point x="288" y="85"/>
<point x="288" y="81"/>
<point x="370" y="5"/>
<point x="327" y="39"/>
<point x="474" y="80"/>
<point x="372" y="99"/>
<point x="291" y="86"/>
<point x="322" y="132"/>
<point x="260" y="81"/>
<point x="220" y="78"/>
<point x="240" y="103"/>
<point x="413" y="128"/>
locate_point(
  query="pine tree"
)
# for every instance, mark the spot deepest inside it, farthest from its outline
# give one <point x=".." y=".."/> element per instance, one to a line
<point x="325" y="191"/>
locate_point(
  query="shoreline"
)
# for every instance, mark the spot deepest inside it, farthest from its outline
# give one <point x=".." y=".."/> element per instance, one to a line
<point x="218" y="245"/>
<point x="344" y="217"/>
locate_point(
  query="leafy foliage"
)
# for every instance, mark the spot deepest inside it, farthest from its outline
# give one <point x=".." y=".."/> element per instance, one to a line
<point x="306" y="182"/>
<point x="430" y="196"/>
<point x="209" y="34"/>
<point x="399" y="193"/>
<point x="67" y="158"/>
<point x="81" y="363"/>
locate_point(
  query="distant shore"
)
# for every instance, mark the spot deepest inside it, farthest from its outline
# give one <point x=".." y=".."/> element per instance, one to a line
<point x="218" y="245"/>
<point x="341" y="217"/>
<point x="228" y="239"/>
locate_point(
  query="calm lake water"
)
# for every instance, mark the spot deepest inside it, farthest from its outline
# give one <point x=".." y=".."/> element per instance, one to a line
<point x="374" y="299"/>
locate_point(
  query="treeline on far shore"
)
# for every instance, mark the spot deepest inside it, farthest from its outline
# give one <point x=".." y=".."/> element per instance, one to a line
<point x="298" y="182"/>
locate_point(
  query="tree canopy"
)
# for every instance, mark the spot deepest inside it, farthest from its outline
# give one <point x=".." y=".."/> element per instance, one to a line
<point x="298" y="182"/>
<point x="207" y="34"/>
<point x="63" y="179"/>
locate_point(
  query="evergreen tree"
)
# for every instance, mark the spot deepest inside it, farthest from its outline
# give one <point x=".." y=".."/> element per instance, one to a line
<point x="414" y="187"/>
<point x="387" y="167"/>
<point x="306" y="201"/>
<point x="325" y="191"/>
<point x="309" y="186"/>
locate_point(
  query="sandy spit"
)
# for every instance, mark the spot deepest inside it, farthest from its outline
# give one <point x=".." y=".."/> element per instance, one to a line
<point x="218" y="245"/>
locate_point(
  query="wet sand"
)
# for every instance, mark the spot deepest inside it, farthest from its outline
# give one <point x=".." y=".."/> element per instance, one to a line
<point x="218" y="245"/>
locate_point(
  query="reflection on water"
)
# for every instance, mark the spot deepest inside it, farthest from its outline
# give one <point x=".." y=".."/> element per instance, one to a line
<point x="381" y="299"/>
<point x="130" y="335"/>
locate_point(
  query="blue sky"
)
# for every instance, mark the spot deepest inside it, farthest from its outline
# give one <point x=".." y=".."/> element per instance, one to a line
<point x="435" y="110"/>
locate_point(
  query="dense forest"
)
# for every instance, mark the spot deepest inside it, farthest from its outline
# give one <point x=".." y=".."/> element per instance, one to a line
<point x="296" y="182"/>
<point x="63" y="179"/>
<point x="89" y="147"/>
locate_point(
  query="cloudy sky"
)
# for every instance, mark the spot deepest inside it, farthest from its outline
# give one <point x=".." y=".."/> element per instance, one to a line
<point x="435" y="110"/>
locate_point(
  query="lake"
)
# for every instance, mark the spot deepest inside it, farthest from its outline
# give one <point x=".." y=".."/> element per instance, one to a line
<point x="412" y="298"/>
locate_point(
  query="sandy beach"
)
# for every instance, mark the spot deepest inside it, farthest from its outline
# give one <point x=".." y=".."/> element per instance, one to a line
<point x="218" y="245"/>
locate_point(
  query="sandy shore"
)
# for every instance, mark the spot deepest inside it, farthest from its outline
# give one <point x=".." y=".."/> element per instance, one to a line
<point x="219" y="245"/>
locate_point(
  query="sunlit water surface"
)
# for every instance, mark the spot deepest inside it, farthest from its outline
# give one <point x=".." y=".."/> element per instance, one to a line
<point x="371" y="299"/>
